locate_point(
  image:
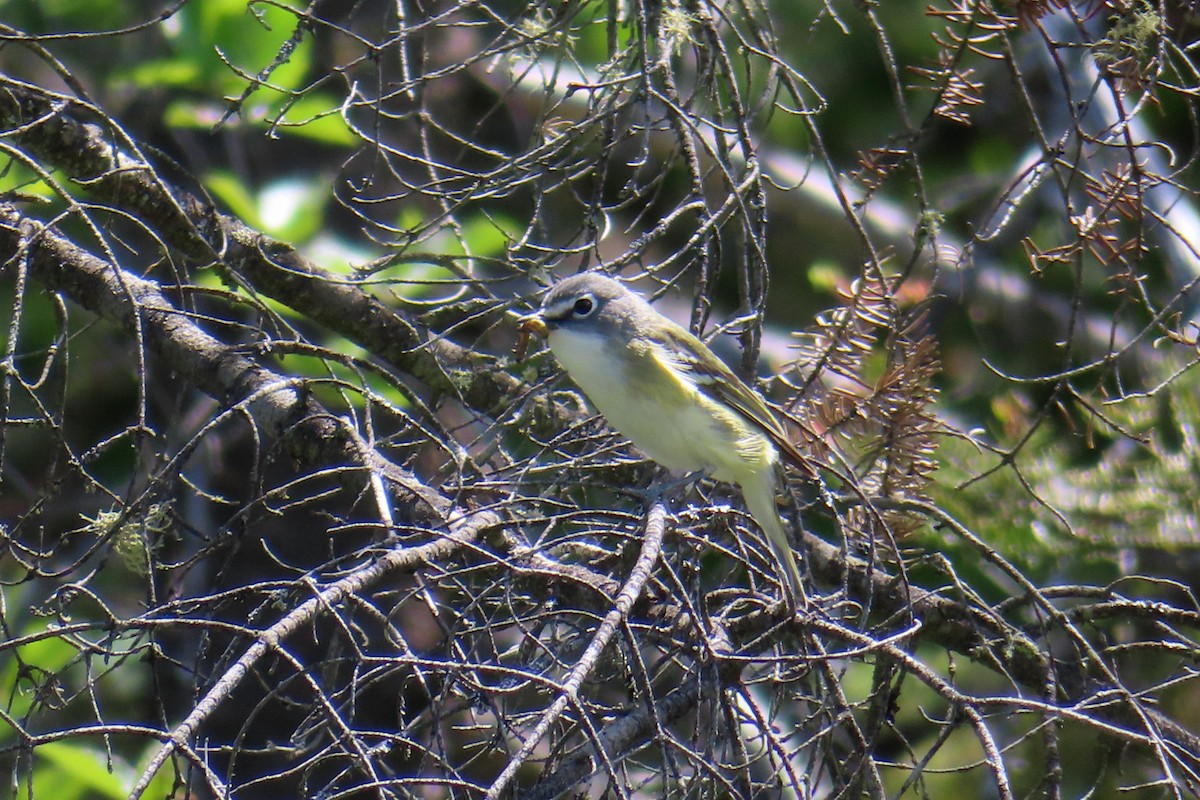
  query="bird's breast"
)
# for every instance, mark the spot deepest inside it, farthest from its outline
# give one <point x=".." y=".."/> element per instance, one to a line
<point x="658" y="409"/>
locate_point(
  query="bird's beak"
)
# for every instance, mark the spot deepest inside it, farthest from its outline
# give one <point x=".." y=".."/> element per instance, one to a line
<point x="529" y="324"/>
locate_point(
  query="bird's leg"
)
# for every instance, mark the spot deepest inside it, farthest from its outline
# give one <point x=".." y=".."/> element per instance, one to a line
<point x="664" y="485"/>
<point x="659" y="488"/>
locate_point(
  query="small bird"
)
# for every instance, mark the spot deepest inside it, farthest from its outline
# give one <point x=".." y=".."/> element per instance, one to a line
<point x="667" y="392"/>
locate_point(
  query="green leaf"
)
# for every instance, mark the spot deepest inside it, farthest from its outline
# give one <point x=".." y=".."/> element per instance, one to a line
<point x="163" y="73"/>
<point x="490" y="235"/>
<point x="40" y="658"/>
<point x="65" y="770"/>
<point x="212" y="42"/>
<point x="317" y="117"/>
<point x="293" y="209"/>
<point x="233" y="192"/>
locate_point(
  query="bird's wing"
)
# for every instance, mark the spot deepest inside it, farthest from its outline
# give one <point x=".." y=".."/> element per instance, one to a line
<point x="719" y="382"/>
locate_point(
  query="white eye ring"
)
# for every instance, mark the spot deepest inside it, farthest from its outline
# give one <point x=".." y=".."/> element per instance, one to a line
<point x="583" y="307"/>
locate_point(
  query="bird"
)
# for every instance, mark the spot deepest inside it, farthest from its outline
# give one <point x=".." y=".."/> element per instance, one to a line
<point x="668" y="393"/>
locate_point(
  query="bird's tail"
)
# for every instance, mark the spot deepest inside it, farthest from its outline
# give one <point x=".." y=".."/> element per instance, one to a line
<point x="760" y="500"/>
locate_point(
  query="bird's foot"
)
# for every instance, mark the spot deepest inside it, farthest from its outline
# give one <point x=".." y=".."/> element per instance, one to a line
<point x="661" y="488"/>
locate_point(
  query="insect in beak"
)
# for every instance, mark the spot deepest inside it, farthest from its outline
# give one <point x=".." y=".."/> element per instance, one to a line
<point x="531" y="324"/>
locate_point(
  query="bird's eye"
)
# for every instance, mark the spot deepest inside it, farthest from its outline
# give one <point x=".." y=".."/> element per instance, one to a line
<point x="583" y="306"/>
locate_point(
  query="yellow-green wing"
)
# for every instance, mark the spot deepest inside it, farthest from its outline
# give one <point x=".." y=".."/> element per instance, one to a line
<point x="714" y="378"/>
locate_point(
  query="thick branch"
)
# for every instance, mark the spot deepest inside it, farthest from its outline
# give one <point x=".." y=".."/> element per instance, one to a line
<point x="51" y="129"/>
<point x="278" y="405"/>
